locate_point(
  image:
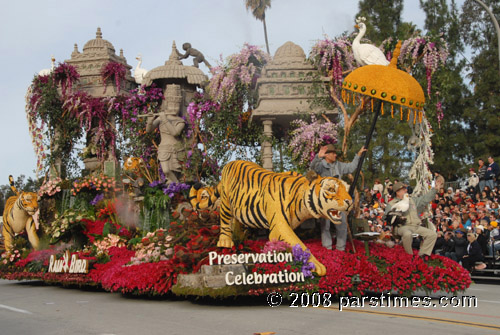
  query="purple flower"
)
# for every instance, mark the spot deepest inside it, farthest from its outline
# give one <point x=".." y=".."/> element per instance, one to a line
<point x="155" y="183"/>
<point x="302" y="256"/>
<point x="97" y="198"/>
<point x="174" y="188"/>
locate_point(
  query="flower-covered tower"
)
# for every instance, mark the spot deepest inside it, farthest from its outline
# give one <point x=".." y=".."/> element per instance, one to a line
<point x="97" y="53"/>
<point x="285" y="89"/>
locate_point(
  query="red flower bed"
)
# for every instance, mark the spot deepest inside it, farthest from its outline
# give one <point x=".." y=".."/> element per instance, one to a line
<point x="349" y="273"/>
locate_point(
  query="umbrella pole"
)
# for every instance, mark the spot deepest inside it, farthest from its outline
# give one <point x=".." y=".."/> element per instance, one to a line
<point x="367" y="143"/>
<point x="377" y="108"/>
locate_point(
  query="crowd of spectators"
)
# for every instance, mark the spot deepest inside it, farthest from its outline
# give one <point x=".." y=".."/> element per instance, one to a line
<point x="466" y="219"/>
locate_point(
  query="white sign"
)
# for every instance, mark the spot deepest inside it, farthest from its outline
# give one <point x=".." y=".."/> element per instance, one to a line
<point x="254" y="278"/>
<point x="64" y="265"/>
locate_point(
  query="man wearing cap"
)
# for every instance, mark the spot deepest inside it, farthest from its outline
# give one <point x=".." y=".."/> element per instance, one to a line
<point x="412" y="223"/>
<point x="325" y="164"/>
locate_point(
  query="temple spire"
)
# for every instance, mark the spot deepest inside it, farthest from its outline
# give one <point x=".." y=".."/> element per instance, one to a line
<point x="174" y="56"/>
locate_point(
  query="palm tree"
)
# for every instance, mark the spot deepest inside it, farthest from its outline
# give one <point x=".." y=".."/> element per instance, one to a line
<point x="258" y="9"/>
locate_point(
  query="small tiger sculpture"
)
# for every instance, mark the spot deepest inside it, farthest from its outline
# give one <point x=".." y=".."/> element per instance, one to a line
<point x="18" y="215"/>
<point x="280" y="202"/>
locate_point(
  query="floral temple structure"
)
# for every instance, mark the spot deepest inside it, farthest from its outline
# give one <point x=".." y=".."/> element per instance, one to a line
<point x="165" y="181"/>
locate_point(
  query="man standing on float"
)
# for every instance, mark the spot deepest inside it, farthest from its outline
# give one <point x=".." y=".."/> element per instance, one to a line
<point x="326" y="165"/>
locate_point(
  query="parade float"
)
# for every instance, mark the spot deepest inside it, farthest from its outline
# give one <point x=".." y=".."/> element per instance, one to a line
<point x="159" y="209"/>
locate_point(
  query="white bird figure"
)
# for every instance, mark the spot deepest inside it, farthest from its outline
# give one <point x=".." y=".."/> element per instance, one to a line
<point x="366" y="54"/>
<point x="398" y="209"/>
<point x="46" y="72"/>
<point x="139" y="72"/>
<point x="403" y="205"/>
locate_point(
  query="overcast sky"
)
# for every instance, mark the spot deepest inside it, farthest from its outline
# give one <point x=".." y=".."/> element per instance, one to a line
<point x="32" y="31"/>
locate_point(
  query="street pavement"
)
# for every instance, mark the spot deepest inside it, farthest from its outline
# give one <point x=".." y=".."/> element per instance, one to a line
<point x="34" y="308"/>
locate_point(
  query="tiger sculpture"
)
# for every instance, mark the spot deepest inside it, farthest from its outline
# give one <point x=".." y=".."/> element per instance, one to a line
<point x="258" y="198"/>
<point x="18" y="215"/>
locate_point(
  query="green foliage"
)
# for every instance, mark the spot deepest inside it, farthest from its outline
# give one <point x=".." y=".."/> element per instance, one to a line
<point x="482" y="110"/>
<point x="107" y="229"/>
<point x="450" y="143"/>
<point x="387" y="155"/>
<point x="68" y="226"/>
<point x="231" y="132"/>
<point x="63" y="131"/>
<point x="258" y="8"/>
<point x="155" y="212"/>
<point x="383" y="19"/>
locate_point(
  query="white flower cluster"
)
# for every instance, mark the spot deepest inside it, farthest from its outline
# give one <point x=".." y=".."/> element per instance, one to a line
<point x="111" y="240"/>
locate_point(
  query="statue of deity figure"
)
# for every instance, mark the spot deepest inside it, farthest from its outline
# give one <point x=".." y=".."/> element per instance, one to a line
<point x="171" y="126"/>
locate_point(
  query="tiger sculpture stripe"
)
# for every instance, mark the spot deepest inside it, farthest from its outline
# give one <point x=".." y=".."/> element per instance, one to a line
<point x="258" y="198"/>
<point x="18" y="215"/>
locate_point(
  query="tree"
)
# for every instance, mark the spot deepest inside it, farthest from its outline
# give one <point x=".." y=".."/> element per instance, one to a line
<point x="258" y="9"/>
<point x="450" y="142"/>
<point x="384" y="19"/>
<point x="479" y="33"/>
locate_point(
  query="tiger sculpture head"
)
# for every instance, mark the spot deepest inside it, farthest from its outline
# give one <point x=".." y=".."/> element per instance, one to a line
<point x="327" y="197"/>
<point x="133" y="164"/>
<point x="29" y="202"/>
<point x="203" y="197"/>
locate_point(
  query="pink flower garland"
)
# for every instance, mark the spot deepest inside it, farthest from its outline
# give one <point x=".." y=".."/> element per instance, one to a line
<point x="116" y="71"/>
<point x="239" y="68"/>
<point x="333" y="57"/>
<point x="308" y="137"/>
<point x="65" y="75"/>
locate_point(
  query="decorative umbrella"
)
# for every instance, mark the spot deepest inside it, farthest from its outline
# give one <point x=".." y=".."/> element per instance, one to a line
<point x="384" y="84"/>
